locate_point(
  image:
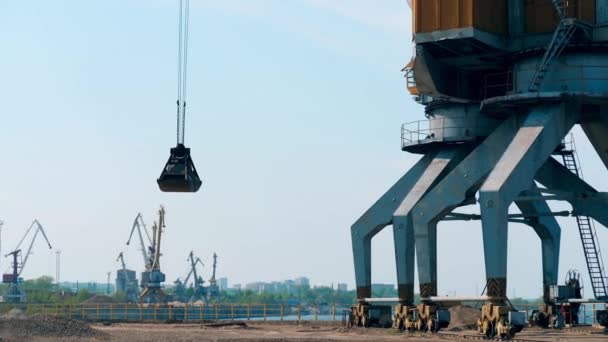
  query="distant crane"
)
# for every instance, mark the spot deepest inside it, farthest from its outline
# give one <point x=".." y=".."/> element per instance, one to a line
<point x="152" y="278"/>
<point x="13" y="294"/>
<point x="213" y="291"/>
<point x="139" y="224"/>
<point x="200" y="292"/>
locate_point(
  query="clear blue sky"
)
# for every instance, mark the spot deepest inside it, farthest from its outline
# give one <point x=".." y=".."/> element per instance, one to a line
<point x="294" y="115"/>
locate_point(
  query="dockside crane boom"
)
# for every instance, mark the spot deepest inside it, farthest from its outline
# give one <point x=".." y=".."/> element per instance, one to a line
<point x="192" y="267"/>
<point x="38" y="230"/>
<point x="157" y="232"/>
<point x="139" y="224"/>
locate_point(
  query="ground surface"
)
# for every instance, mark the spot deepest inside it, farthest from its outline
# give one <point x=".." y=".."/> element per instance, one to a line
<point x="288" y="332"/>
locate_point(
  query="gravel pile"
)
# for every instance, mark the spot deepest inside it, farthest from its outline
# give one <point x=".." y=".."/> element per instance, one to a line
<point x="47" y="326"/>
<point x="463" y="318"/>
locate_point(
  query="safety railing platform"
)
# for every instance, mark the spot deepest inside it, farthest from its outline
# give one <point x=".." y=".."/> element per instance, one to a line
<point x="419" y="136"/>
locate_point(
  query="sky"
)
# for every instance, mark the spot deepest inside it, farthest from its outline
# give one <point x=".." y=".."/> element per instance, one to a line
<point x="294" y="115"/>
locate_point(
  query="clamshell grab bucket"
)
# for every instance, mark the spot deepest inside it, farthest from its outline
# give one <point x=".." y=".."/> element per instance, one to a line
<point x="179" y="174"/>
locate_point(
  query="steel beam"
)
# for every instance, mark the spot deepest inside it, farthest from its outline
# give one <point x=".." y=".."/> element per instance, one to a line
<point x="596" y="132"/>
<point x="540" y="133"/>
<point x="588" y="202"/>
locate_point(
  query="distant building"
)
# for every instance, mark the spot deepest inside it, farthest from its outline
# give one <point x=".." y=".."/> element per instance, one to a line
<point x="302" y="282"/>
<point x="279" y="287"/>
<point x="342" y="287"/>
<point x="223" y="283"/>
<point x="257" y="287"/>
<point x="290" y="286"/>
<point x="237" y="287"/>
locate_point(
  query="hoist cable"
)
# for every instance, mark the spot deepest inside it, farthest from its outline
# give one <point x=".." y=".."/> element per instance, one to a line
<point x="182" y="56"/>
<point x="185" y="66"/>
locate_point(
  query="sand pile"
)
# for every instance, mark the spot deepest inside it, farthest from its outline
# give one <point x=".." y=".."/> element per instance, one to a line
<point x="463" y="318"/>
<point x="47" y="326"/>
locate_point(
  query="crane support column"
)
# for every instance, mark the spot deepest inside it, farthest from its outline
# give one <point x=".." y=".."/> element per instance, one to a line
<point x="442" y="163"/>
<point x="541" y="131"/>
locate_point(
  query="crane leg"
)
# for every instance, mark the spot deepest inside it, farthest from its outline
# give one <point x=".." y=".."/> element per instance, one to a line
<point x="540" y="133"/>
<point x="403" y="231"/>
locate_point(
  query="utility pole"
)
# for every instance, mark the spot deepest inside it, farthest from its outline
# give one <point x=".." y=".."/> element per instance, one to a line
<point x="58" y="268"/>
<point x="1" y="224"/>
<point x="108" y="284"/>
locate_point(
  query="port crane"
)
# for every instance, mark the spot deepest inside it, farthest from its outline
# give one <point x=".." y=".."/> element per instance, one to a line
<point x="13" y="293"/>
<point x="152" y="278"/>
<point x="179" y="173"/>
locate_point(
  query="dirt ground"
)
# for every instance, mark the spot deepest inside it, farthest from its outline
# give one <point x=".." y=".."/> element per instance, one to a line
<point x="288" y="332"/>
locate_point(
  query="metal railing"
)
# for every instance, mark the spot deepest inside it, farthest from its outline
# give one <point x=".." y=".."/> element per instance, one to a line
<point x="183" y="313"/>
